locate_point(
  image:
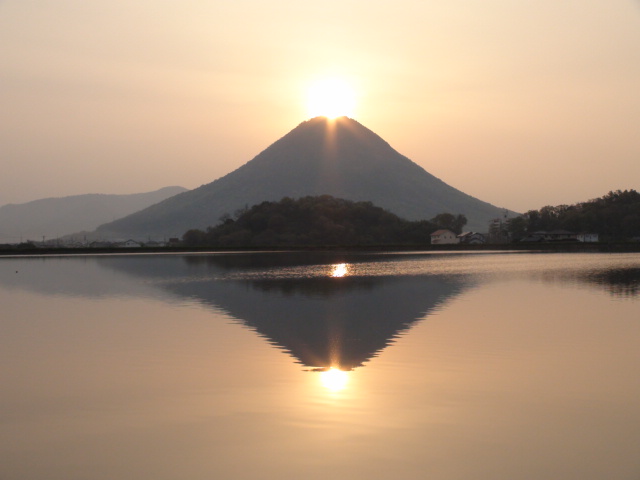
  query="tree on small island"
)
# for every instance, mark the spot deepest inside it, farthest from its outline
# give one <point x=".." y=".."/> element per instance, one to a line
<point x="313" y="221"/>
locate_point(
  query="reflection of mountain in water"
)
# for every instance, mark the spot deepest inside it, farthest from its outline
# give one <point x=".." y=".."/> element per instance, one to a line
<point x="290" y="298"/>
<point x="322" y="321"/>
<point x="73" y="276"/>
<point x="620" y="282"/>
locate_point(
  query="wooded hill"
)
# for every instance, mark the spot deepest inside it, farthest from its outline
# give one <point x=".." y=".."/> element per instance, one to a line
<point x="315" y="221"/>
<point x="615" y="217"/>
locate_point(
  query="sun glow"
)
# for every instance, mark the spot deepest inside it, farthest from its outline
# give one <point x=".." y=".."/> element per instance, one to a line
<point x="331" y="98"/>
<point x="334" y="379"/>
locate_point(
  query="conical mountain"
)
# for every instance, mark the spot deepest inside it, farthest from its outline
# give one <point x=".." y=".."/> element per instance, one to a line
<point x="337" y="157"/>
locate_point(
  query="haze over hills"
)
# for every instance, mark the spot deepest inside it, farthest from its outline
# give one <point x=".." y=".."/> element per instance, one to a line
<point x="55" y="217"/>
<point x="337" y="157"/>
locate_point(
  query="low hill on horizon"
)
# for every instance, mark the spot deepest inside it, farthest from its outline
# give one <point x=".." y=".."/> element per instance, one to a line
<point x="313" y="221"/>
<point x="340" y="157"/>
<point x="56" y="217"/>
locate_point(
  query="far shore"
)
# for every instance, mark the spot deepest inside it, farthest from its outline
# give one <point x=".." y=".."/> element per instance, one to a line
<point x="577" y="247"/>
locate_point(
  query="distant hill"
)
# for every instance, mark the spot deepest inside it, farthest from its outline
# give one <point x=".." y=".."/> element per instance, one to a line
<point x="55" y="217"/>
<point x="341" y="158"/>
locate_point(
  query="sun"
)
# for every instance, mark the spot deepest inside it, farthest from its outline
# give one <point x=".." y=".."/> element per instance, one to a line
<point x="331" y="98"/>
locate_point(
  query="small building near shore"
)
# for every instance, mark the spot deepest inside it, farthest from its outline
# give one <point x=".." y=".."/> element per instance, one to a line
<point x="588" y="237"/>
<point x="101" y="244"/>
<point x="130" y="244"/>
<point x="472" y="238"/>
<point x="444" y="237"/>
<point x="560" y="236"/>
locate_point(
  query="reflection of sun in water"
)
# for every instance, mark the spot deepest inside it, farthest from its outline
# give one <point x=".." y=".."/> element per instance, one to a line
<point x="331" y="98"/>
<point x="340" y="270"/>
<point x="334" y="379"/>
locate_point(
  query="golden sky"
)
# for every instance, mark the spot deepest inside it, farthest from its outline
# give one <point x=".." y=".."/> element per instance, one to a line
<point x="519" y="103"/>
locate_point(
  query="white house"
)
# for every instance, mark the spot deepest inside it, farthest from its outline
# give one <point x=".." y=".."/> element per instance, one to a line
<point x="444" y="237"/>
<point x="587" y="237"/>
<point x="130" y="244"/>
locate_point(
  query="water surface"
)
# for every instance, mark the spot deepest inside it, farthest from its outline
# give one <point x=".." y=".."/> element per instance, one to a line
<point x="328" y="365"/>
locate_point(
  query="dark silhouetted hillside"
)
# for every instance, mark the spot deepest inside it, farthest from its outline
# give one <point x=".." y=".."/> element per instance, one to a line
<point x="615" y="216"/>
<point x="322" y="220"/>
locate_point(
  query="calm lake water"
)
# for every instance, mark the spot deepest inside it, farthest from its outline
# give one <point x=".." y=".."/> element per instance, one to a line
<point x="320" y="366"/>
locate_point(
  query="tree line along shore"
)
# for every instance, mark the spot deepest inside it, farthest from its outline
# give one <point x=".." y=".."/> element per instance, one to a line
<point x="328" y="222"/>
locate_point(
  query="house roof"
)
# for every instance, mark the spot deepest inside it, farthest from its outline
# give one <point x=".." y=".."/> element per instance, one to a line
<point x="442" y="232"/>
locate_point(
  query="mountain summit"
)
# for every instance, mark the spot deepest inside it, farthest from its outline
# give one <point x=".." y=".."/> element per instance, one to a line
<point x="337" y="157"/>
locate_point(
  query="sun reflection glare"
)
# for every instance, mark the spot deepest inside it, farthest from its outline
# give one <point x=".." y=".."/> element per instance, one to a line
<point x="334" y="379"/>
<point x="340" y="270"/>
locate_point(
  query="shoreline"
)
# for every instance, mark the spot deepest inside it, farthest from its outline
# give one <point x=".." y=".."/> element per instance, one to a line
<point x="613" y="247"/>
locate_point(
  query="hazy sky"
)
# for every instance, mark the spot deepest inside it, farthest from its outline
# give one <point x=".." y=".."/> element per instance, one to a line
<point x="521" y="103"/>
